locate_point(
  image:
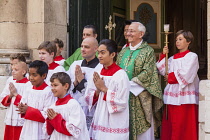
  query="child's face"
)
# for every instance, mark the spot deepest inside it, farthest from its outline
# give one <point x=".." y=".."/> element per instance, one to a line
<point x="12" y="62"/>
<point x="58" y="89"/>
<point x="181" y="43"/>
<point x="35" y="78"/>
<point x="104" y="56"/>
<point x="18" y="72"/>
<point x="45" y="56"/>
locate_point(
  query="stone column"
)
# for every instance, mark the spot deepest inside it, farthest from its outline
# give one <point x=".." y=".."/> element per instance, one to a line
<point x="24" y="24"/>
<point x="204" y="92"/>
<point x="13" y="37"/>
<point x="46" y="20"/>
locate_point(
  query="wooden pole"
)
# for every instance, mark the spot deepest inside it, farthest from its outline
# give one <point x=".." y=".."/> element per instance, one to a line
<point x="166" y="68"/>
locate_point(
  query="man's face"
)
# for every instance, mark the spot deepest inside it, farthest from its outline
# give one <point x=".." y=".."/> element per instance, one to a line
<point x="134" y="35"/>
<point x="126" y="31"/>
<point x="87" y="32"/>
<point x="88" y="50"/>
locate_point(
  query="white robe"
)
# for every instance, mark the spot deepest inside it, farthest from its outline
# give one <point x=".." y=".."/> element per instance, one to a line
<point x="51" y="72"/>
<point x="185" y="70"/>
<point x="41" y="100"/>
<point x="60" y="62"/>
<point x="74" y="116"/>
<point x="79" y="96"/>
<point x="111" y="118"/>
<point x="12" y="117"/>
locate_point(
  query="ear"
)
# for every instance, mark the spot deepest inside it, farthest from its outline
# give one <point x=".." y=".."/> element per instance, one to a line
<point x="24" y="72"/>
<point x="95" y="35"/>
<point x="141" y="34"/>
<point x="44" y="76"/>
<point x="66" y="86"/>
<point x="113" y="54"/>
<point x="52" y="54"/>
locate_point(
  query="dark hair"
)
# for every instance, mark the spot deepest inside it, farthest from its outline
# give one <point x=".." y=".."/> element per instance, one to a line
<point x="111" y="46"/>
<point x="49" y="46"/>
<point x="128" y="22"/>
<point x="59" y="42"/>
<point x="62" y="77"/>
<point x="91" y="27"/>
<point x="41" y="67"/>
<point x="187" y="35"/>
<point x="18" y="56"/>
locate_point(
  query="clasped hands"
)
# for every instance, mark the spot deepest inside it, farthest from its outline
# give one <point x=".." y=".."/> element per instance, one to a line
<point x="13" y="90"/>
<point x="79" y="76"/>
<point x="99" y="83"/>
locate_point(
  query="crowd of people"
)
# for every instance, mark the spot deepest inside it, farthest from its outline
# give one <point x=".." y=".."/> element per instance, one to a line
<point x="101" y="94"/>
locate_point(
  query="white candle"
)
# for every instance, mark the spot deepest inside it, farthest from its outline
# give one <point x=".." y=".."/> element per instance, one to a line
<point x="166" y="27"/>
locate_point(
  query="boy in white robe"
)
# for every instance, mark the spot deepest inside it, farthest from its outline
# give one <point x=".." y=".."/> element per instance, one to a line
<point x="10" y="97"/>
<point x="35" y="100"/>
<point x="110" y="89"/>
<point x="66" y="119"/>
<point x="47" y="53"/>
<point x="181" y="94"/>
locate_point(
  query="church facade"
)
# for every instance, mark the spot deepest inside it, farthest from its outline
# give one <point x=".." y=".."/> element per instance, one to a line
<point x="24" y="24"/>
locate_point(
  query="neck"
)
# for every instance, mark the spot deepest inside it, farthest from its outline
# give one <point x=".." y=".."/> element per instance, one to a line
<point x="39" y="84"/>
<point x="50" y="62"/>
<point x="135" y="43"/>
<point x="109" y="64"/>
<point x="18" y="79"/>
<point x="62" y="96"/>
<point x="183" y="50"/>
<point x="89" y="59"/>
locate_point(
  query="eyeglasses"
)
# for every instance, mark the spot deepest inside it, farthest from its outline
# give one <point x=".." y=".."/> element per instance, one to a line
<point x="131" y="31"/>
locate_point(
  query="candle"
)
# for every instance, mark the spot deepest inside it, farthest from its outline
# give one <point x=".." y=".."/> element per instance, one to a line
<point x="166" y="27"/>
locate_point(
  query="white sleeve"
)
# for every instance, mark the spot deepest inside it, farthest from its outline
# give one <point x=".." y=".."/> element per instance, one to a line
<point x="188" y="71"/>
<point x="135" y="88"/>
<point x="76" y="120"/>
<point x="161" y="65"/>
<point x="5" y="92"/>
<point x="89" y="94"/>
<point x="118" y="92"/>
<point x="49" y="100"/>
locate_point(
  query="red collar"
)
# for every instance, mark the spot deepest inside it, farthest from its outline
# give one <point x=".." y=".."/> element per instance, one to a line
<point x="58" y="58"/>
<point x="62" y="101"/>
<point x="53" y="65"/>
<point x="41" y="87"/>
<point x="111" y="70"/>
<point x="127" y="44"/>
<point x="181" y="54"/>
<point x="24" y="80"/>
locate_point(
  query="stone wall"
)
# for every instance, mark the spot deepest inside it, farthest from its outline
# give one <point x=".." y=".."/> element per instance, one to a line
<point x="204" y="92"/>
<point x="24" y="24"/>
<point x="46" y="20"/>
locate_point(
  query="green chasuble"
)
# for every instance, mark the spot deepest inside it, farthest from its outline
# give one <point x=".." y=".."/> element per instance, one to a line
<point x="141" y="68"/>
<point x="74" y="57"/>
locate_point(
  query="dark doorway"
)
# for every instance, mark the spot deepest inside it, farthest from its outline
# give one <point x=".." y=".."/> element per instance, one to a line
<point x="86" y="12"/>
<point x="189" y="15"/>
